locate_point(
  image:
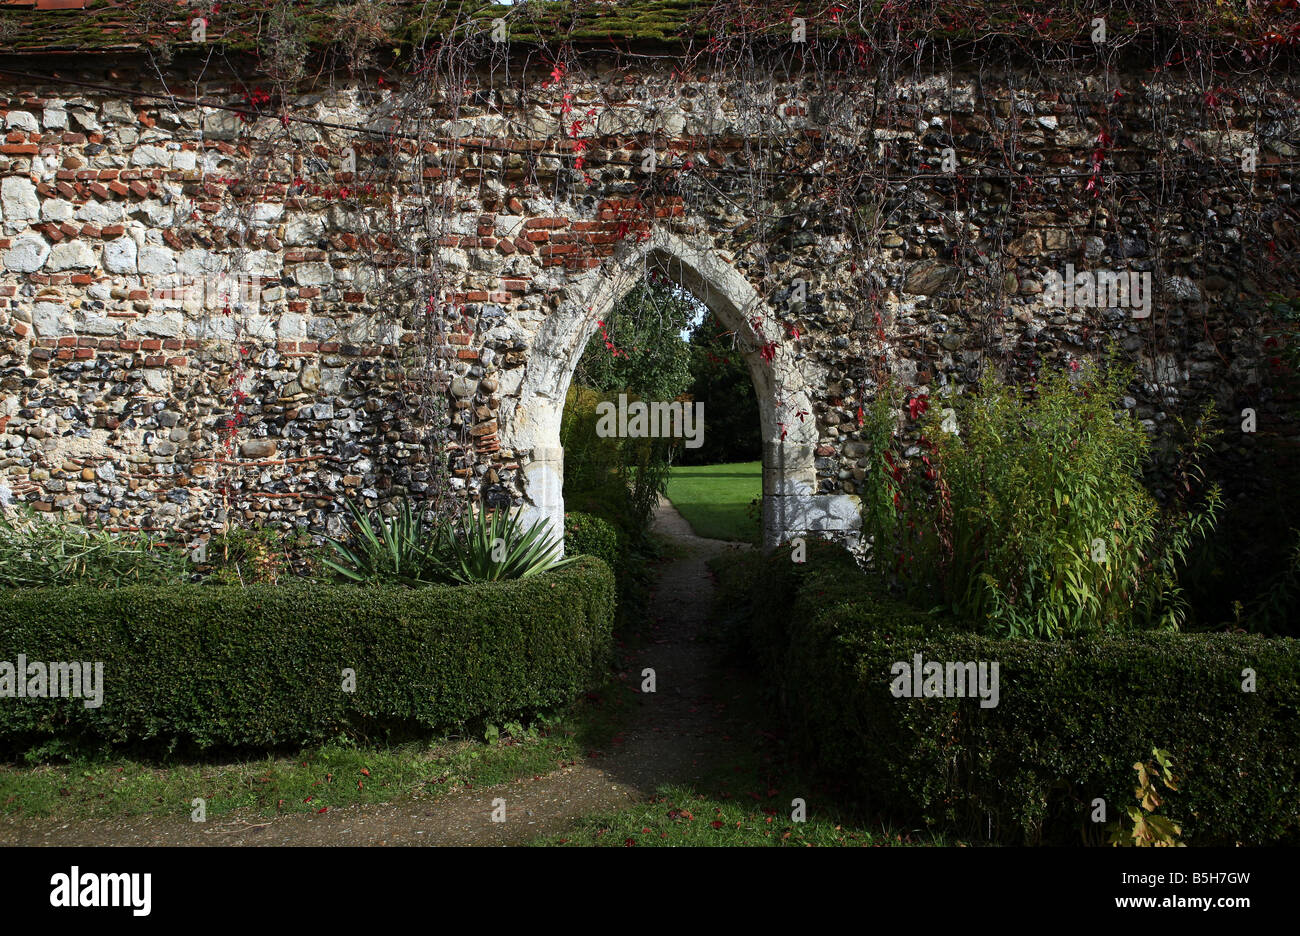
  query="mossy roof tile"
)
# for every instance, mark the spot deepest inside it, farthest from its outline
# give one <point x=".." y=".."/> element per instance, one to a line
<point x="35" y="26"/>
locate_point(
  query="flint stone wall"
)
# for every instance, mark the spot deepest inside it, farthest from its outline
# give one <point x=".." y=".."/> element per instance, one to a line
<point x="115" y="388"/>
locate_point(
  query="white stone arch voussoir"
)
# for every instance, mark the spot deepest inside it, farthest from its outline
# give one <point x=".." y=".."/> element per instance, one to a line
<point x="791" y="506"/>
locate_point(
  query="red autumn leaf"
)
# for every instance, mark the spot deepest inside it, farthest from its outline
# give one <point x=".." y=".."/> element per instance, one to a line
<point x="716" y="823"/>
<point x="321" y="810"/>
<point x="365" y="772"/>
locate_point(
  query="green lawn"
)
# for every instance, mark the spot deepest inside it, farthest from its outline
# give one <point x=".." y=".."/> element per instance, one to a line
<point x="715" y="499"/>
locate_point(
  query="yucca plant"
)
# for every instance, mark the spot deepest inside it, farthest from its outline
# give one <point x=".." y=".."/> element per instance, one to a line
<point x="495" y="545"/>
<point x="394" y="549"/>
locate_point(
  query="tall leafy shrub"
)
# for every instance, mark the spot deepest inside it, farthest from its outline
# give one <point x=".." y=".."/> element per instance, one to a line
<point x="720" y="380"/>
<point x="638" y="350"/>
<point x="1031" y="518"/>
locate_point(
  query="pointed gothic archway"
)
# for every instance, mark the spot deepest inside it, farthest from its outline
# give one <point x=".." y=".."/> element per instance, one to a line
<point x="791" y="504"/>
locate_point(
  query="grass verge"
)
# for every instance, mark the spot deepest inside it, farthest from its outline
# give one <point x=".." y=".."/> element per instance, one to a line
<point x="682" y="817"/>
<point x="317" y="778"/>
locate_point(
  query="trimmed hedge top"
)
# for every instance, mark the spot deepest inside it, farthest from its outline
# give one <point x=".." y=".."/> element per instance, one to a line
<point x="1071" y="718"/>
<point x="224" y="666"/>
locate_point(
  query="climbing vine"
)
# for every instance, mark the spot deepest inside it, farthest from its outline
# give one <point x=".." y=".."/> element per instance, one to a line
<point x="805" y="136"/>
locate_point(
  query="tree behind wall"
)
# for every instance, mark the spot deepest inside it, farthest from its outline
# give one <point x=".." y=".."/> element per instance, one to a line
<point x="638" y="350"/>
<point x="721" y="380"/>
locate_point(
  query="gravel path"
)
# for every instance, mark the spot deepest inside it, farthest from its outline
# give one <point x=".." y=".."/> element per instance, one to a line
<point x="673" y="736"/>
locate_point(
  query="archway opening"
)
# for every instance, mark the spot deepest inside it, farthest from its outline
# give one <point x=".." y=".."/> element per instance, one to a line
<point x="662" y="402"/>
<point x="792" y="505"/>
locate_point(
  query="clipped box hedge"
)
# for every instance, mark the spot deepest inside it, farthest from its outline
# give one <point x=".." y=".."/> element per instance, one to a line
<point x="588" y="535"/>
<point x="1071" y="720"/>
<point x="224" y="666"/>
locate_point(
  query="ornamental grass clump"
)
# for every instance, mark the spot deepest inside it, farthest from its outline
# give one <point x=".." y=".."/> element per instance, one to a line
<point x="400" y="549"/>
<point x="495" y="544"/>
<point x="38" y="551"/>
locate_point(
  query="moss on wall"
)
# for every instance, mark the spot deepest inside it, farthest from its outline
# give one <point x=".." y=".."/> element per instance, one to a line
<point x="107" y="25"/>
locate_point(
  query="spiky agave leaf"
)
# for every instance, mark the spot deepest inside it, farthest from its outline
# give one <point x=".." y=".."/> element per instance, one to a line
<point x="524" y="552"/>
<point x="395" y="548"/>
